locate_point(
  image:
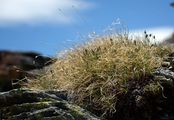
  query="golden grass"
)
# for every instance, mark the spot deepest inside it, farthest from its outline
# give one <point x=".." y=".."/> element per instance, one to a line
<point x="98" y="72"/>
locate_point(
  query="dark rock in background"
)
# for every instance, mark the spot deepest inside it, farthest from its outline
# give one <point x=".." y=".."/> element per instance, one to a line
<point x="24" y="60"/>
<point x="25" y="104"/>
<point x="15" y="66"/>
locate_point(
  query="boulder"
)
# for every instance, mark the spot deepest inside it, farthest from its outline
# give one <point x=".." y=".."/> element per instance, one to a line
<point x="151" y="100"/>
<point x="16" y="66"/>
<point x="24" y="60"/>
<point x="25" y="104"/>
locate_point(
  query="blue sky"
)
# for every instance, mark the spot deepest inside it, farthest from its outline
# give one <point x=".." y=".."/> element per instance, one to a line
<point x="50" y="26"/>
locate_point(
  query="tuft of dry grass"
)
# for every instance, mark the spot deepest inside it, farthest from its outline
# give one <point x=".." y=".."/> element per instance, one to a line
<point x="100" y="71"/>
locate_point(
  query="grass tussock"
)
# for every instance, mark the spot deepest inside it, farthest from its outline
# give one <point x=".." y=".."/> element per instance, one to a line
<point x="99" y="72"/>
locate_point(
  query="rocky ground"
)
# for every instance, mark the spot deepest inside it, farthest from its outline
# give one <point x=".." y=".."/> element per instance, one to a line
<point x="25" y="104"/>
<point x="163" y="104"/>
<point x="17" y="103"/>
<point x="151" y="102"/>
<point x="16" y="67"/>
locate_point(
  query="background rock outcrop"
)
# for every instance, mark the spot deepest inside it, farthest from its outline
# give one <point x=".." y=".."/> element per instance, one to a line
<point x="15" y="66"/>
<point x="26" y="104"/>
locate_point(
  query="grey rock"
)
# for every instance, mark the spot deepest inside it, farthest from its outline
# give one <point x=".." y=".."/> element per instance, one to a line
<point x="164" y="72"/>
<point x="25" y="104"/>
<point x="166" y="64"/>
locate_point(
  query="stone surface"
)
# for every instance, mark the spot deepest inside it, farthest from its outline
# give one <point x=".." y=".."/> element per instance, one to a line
<point x="163" y="105"/>
<point x="152" y="99"/>
<point x="147" y="101"/>
<point x="24" y="60"/>
<point x="17" y="66"/>
<point x="25" y="104"/>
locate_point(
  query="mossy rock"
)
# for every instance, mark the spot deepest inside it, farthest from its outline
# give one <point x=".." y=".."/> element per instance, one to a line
<point x="25" y="104"/>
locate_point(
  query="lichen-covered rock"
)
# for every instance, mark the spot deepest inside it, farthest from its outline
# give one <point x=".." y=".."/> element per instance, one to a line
<point x="25" y="104"/>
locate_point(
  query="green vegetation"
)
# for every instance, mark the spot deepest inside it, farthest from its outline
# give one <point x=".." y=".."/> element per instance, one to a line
<point x="98" y="73"/>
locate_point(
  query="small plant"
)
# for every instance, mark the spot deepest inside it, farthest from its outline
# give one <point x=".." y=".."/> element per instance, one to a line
<point x="98" y="73"/>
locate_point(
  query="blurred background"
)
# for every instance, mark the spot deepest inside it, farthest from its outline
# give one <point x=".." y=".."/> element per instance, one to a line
<point x="50" y="26"/>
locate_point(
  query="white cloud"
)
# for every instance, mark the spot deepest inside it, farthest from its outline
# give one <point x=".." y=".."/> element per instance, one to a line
<point x="160" y="33"/>
<point x="39" y="11"/>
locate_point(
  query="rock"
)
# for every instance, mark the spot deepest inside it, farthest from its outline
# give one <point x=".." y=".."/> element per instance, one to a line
<point x="163" y="103"/>
<point x="17" y="66"/>
<point x="164" y="72"/>
<point x="25" y="104"/>
<point x="24" y="60"/>
<point x="153" y="99"/>
<point x="5" y="83"/>
<point x="166" y="64"/>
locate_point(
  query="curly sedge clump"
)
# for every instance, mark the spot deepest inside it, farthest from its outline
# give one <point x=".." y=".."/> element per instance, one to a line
<point x="98" y="73"/>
